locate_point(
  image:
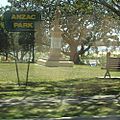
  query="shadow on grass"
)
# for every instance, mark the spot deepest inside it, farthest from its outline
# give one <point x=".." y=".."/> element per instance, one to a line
<point x="48" y="99"/>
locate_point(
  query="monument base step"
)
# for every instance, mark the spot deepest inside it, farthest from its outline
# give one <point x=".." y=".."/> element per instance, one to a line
<point x="60" y="63"/>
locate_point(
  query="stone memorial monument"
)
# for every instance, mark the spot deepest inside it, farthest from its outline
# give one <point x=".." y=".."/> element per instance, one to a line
<point x="55" y="57"/>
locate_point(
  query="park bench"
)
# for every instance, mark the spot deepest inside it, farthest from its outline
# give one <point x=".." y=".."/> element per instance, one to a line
<point x="112" y="64"/>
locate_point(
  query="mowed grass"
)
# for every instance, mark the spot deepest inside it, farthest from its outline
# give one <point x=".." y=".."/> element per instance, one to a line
<point x="57" y="92"/>
<point x="41" y="73"/>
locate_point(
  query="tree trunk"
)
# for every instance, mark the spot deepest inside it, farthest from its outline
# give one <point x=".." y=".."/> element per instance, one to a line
<point x="6" y="56"/>
<point x="75" y="58"/>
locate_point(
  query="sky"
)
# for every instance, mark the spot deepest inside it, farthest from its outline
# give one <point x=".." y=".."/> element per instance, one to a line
<point x="3" y="3"/>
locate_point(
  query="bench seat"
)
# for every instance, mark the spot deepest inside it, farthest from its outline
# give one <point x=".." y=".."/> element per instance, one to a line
<point x="112" y="64"/>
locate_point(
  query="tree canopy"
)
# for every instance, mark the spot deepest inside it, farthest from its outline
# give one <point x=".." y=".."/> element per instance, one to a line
<point x="112" y="5"/>
<point x="83" y="22"/>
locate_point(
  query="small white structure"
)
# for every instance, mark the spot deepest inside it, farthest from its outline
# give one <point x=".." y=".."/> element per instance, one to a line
<point x="93" y="62"/>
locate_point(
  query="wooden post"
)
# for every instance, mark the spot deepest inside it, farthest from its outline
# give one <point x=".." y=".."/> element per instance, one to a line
<point x="107" y="66"/>
<point x="108" y="56"/>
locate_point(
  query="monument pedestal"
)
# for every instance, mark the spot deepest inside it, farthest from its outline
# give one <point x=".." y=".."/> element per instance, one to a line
<point x="53" y="63"/>
<point x="55" y="59"/>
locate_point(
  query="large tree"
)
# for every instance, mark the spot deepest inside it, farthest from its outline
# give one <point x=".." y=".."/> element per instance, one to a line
<point x="80" y="33"/>
<point x="4" y="38"/>
<point x="4" y="44"/>
<point x="80" y="22"/>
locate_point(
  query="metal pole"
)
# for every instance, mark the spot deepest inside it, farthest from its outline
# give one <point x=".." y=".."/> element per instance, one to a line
<point x="33" y="48"/>
<point x="28" y="67"/>
<point x="16" y="65"/>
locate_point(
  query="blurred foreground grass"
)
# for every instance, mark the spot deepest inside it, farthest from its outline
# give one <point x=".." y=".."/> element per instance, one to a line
<point x="57" y="92"/>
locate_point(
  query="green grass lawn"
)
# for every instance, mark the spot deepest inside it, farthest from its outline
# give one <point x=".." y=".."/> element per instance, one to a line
<point x="57" y="92"/>
<point x="41" y="73"/>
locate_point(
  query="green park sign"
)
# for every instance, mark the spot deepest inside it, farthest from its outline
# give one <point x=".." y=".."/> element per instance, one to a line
<point x="20" y="21"/>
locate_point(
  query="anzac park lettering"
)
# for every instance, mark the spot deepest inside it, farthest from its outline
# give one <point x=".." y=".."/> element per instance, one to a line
<point x="19" y="26"/>
<point x="23" y="17"/>
<point x="23" y="25"/>
<point x="20" y="21"/>
<point x="20" y="16"/>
